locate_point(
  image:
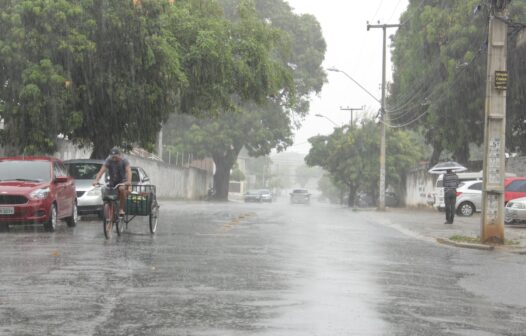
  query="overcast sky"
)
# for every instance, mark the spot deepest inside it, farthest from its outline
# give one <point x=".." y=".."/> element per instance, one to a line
<point x="353" y="49"/>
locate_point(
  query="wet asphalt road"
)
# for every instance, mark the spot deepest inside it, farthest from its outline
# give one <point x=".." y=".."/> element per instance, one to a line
<point x="257" y="269"/>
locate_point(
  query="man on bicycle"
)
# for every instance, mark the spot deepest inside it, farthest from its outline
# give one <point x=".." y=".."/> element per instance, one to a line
<point x="119" y="171"/>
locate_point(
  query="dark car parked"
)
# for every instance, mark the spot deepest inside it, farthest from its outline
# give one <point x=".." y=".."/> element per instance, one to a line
<point x="36" y="190"/>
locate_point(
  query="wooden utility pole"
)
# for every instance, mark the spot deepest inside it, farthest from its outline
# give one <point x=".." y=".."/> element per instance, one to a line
<point x="352" y="109"/>
<point x="492" y="219"/>
<point x="383" y="116"/>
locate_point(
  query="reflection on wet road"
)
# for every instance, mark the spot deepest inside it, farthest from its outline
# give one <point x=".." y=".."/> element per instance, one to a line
<point x="258" y="269"/>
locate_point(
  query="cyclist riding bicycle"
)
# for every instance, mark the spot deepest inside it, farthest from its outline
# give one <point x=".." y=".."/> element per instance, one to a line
<point x="119" y="171"/>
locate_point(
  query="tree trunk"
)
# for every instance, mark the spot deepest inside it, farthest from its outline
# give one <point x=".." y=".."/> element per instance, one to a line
<point x="224" y="162"/>
<point x="350" y="199"/>
<point x="100" y="150"/>
<point x="462" y="154"/>
<point x="222" y="177"/>
<point x="437" y="150"/>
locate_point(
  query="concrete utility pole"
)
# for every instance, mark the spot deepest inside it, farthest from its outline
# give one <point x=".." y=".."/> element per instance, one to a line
<point x="383" y="115"/>
<point x="352" y="109"/>
<point x="492" y="219"/>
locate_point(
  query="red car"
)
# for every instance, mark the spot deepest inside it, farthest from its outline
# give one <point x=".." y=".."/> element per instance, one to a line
<point x="36" y="190"/>
<point x="514" y="187"/>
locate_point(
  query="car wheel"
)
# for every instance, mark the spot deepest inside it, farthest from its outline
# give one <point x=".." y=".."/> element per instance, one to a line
<point x="51" y="224"/>
<point x="4" y="227"/>
<point x="74" y="218"/>
<point x="466" y="209"/>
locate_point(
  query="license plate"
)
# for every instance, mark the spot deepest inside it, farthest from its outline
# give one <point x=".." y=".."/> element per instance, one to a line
<point x="7" y="210"/>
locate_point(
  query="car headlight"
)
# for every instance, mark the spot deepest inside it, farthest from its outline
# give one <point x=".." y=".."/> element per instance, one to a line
<point x="40" y="194"/>
<point x="94" y="192"/>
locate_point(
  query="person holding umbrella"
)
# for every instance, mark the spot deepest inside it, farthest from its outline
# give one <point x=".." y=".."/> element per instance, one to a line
<point x="450" y="182"/>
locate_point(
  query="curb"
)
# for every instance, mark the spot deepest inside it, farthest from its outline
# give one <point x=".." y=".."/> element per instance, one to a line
<point x="449" y="242"/>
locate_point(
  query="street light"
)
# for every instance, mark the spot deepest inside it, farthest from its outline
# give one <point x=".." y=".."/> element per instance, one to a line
<point x="322" y="116"/>
<point x="333" y="69"/>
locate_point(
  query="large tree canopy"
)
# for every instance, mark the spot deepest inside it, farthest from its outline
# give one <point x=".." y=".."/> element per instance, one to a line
<point x="267" y="92"/>
<point x="440" y="56"/>
<point x="100" y="72"/>
<point x="351" y="157"/>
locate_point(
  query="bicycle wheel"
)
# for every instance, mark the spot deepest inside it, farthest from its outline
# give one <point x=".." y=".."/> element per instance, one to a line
<point x="154" y="216"/>
<point x="107" y="221"/>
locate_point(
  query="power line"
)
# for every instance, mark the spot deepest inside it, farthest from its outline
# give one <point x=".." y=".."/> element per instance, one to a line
<point x="450" y="85"/>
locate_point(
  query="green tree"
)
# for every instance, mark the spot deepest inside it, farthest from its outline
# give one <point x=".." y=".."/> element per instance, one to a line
<point x="438" y="88"/>
<point x="262" y="95"/>
<point x="305" y="173"/>
<point x="237" y="174"/>
<point x="351" y="156"/>
<point x="126" y="85"/>
<point x="34" y="38"/>
<point x="330" y="190"/>
<point x="100" y="72"/>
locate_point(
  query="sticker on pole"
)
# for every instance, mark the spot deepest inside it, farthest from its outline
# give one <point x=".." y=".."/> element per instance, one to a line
<point x="501" y="80"/>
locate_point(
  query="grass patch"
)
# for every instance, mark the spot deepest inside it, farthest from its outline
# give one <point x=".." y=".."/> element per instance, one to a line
<point x="465" y="239"/>
<point x="476" y="240"/>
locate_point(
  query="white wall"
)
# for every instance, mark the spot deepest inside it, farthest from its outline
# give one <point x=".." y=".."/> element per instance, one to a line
<point x="170" y="181"/>
<point x="420" y="187"/>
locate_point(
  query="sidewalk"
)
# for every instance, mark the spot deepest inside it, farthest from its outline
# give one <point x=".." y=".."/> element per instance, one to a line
<point x="428" y="224"/>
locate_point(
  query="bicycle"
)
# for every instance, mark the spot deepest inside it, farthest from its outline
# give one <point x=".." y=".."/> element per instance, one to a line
<point x="111" y="212"/>
<point x="141" y="201"/>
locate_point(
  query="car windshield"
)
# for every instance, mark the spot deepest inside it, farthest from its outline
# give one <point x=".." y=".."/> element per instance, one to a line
<point x="37" y="171"/>
<point x="83" y="170"/>
<point x="300" y="191"/>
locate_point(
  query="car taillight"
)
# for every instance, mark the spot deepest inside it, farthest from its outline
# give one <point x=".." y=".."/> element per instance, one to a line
<point x="458" y="193"/>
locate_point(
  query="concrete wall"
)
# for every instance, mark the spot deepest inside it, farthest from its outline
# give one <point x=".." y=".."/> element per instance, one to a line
<point x="420" y="186"/>
<point x="185" y="183"/>
<point x="170" y="181"/>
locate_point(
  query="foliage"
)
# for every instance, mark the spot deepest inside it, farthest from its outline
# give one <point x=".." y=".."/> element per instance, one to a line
<point x="305" y="173"/>
<point x="237" y="175"/>
<point x="439" y="59"/>
<point x="351" y="156"/>
<point x="330" y="190"/>
<point x="100" y="72"/>
<point x="261" y="94"/>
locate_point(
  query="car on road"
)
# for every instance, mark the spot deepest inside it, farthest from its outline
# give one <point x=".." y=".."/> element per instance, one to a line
<point x="266" y="195"/>
<point x="252" y="195"/>
<point x="89" y="197"/>
<point x="36" y="190"/>
<point x="300" y="196"/>
<point x="469" y="198"/>
<point x="84" y="171"/>
<point x="515" y="211"/>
